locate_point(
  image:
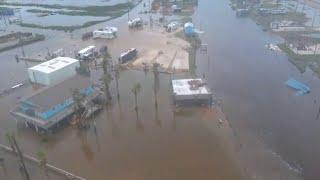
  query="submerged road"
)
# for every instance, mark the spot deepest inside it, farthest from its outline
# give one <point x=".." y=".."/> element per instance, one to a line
<point x="250" y="80"/>
<point x="268" y="120"/>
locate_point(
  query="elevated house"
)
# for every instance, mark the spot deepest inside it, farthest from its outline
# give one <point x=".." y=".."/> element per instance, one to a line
<point x="53" y="106"/>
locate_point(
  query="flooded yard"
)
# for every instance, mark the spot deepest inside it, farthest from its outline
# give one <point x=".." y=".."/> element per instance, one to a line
<point x="266" y="131"/>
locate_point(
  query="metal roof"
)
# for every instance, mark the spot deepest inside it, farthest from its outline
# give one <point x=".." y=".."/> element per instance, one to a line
<point x="54" y="64"/>
<point x="183" y="87"/>
<point x="56" y="94"/>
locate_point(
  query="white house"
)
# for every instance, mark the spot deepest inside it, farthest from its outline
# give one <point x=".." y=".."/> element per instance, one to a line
<point x="53" y="71"/>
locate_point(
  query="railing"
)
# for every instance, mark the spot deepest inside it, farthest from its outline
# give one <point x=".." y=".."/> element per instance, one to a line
<point x="49" y="166"/>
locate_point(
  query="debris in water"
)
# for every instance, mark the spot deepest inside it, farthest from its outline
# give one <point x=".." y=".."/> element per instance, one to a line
<point x="273" y="47"/>
<point x="301" y="88"/>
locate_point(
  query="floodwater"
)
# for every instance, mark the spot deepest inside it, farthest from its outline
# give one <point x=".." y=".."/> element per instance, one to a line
<point x="71" y="2"/>
<point x="250" y="81"/>
<point x="155" y="143"/>
<point x="275" y="133"/>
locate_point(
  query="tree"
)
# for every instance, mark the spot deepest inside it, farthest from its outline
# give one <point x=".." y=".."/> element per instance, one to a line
<point x="156" y="82"/>
<point x="136" y="90"/>
<point x="106" y="62"/>
<point x="77" y="98"/>
<point x="107" y="78"/>
<point x="117" y="76"/>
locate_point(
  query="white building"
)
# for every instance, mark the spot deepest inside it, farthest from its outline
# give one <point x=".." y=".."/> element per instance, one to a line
<point x="190" y="90"/>
<point x="53" y="71"/>
<point x="106" y="33"/>
<point x="86" y="53"/>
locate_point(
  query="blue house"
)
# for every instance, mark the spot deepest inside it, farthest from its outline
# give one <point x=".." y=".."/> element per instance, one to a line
<point x="48" y="108"/>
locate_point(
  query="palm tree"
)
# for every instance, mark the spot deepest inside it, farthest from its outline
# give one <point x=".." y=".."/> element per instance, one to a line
<point x="107" y="78"/>
<point x="136" y="90"/>
<point x="156" y="82"/>
<point x="105" y="62"/>
<point x="77" y="98"/>
<point x="117" y="76"/>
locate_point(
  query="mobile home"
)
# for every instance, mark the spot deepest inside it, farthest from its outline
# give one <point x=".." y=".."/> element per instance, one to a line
<point x="87" y="53"/>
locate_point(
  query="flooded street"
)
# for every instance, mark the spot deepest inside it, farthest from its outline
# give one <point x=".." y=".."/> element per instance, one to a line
<point x="272" y="134"/>
<point x="250" y="81"/>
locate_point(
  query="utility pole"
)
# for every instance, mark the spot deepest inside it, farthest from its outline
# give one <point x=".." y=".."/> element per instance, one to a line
<point x="13" y="142"/>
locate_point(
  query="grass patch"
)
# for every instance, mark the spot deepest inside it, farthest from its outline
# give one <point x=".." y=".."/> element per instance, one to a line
<point x="35" y="38"/>
<point x="302" y="61"/>
<point x="63" y="28"/>
<point x="113" y="11"/>
<point x="99" y="11"/>
<point x="265" y="21"/>
<point x="77" y="10"/>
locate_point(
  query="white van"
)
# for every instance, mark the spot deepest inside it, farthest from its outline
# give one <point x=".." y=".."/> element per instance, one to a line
<point x="104" y="34"/>
<point x="87" y="53"/>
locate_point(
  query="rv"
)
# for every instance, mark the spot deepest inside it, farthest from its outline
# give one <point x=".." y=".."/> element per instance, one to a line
<point x="104" y="34"/>
<point x="134" y="23"/>
<point x="112" y="29"/>
<point x="128" y="55"/>
<point x="87" y="53"/>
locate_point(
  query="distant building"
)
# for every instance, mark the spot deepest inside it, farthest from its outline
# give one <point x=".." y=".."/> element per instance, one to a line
<point x="4" y="11"/>
<point x="279" y="11"/>
<point x="52" y="106"/>
<point x="279" y="26"/>
<point x="53" y="71"/>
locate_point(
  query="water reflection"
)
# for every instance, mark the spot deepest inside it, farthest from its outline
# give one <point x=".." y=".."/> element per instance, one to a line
<point x="139" y="124"/>
<point x="85" y="145"/>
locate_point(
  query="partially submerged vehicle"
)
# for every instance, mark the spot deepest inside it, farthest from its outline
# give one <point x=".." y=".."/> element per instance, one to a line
<point x="128" y="55"/>
<point x="87" y="53"/>
<point x="172" y="26"/>
<point x="106" y="33"/>
<point x="134" y="23"/>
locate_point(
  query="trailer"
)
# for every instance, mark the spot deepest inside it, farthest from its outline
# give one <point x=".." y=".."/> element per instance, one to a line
<point x="135" y="23"/>
<point x="103" y="34"/>
<point x="87" y="53"/>
<point x="128" y="55"/>
<point x="106" y="33"/>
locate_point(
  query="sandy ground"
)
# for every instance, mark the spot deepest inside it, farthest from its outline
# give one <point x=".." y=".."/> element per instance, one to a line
<point x="162" y="48"/>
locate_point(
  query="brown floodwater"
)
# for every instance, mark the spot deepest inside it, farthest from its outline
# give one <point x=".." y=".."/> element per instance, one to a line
<point x="157" y="143"/>
<point x="274" y="132"/>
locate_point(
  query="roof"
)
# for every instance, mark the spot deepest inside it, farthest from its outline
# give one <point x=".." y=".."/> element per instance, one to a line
<point x="56" y="94"/>
<point x="86" y="49"/>
<point x="54" y="64"/>
<point x="189" y="87"/>
<point x="188" y="24"/>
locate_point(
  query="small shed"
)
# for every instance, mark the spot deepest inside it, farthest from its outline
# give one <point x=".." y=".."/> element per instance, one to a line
<point x="189" y="29"/>
<point x="53" y="71"/>
<point x="191" y="91"/>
